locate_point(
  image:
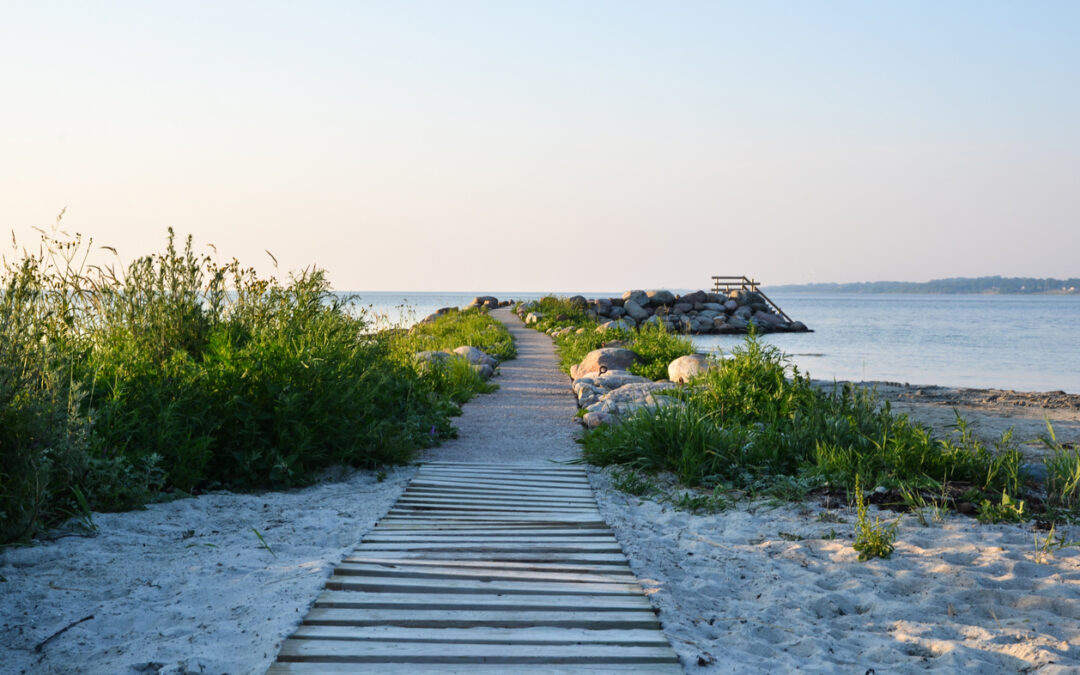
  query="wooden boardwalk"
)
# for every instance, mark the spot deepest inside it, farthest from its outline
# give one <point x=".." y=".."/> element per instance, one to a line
<point x="484" y="569"/>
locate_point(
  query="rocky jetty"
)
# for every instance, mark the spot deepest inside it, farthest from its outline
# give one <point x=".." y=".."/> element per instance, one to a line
<point x="699" y="313"/>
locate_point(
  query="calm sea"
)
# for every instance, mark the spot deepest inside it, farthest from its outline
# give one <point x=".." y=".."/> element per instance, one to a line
<point x="1029" y="343"/>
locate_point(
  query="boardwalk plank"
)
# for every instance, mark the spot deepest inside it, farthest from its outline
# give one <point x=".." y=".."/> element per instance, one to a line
<point x="478" y="602"/>
<point x="339" y="582"/>
<point x="452" y="618"/>
<point x="401" y="571"/>
<point x="540" y="635"/>
<point x="307" y="668"/>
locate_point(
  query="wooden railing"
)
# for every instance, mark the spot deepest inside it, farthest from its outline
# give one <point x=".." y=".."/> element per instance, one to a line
<point x="742" y="283"/>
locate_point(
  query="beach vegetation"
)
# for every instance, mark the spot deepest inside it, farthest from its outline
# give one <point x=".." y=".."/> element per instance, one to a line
<point x="1062" y="473"/>
<point x="756" y="424"/>
<point x="177" y="373"/>
<point x="872" y="539"/>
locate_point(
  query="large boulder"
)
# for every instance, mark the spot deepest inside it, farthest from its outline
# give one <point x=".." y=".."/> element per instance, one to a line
<point x="430" y="318"/>
<point x="533" y="317"/>
<point x="686" y="368"/>
<point x="682" y="307"/>
<point x="577" y="301"/>
<point x="617" y="324"/>
<point x="476" y="357"/>
<point x="635" y="310"/>
<point x="771" y="319"/>
<point x="430" y="357"/>
<point x="640" y="297"/>
<point x="488" y="301"/>
<point x="660" y="297"/>
<point x="695" y="297"/>
<point x="600" y="360"/>
<point x="629" y="398"/>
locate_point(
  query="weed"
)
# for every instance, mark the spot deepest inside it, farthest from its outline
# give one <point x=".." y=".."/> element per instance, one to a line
<point x="1008" y="510"/>
<point x="262" y="541"/>
<point x="872" y="540"/>
<point x="699" y="503"/>
<point x="1045" y="549"/>
<point x="1062" y="472"/>
<point x="633" y="482"/>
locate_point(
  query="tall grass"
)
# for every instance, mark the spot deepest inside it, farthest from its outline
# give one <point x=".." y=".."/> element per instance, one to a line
<point x="179" y="372"/>
<point x="756" y="420"/>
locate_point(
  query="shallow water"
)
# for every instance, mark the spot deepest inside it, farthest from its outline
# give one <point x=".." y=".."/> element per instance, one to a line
<point x="1029" y="343"/>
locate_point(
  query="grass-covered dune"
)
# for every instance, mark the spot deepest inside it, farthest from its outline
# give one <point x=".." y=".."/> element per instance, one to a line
<point x="179" y="374"/>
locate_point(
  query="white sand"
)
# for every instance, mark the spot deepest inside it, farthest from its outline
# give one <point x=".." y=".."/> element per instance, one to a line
<point x="956" y="596"/>
<point x="184" y="586"/>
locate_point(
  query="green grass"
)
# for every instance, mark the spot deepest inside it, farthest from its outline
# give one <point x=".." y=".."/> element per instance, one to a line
<point x="180" y="374"/>
<point x="756" y="424"/>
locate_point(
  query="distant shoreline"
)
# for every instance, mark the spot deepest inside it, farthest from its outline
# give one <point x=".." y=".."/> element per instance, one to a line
<point x="954" y="286"/>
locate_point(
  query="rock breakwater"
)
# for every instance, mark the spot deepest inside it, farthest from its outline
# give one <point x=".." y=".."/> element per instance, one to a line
<point x="698" y="313"/>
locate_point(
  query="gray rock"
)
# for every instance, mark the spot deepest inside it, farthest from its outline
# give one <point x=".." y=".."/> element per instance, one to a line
<point x="686" y="368"/>
<point x="738" y="323"/>
<point x="660" y="297"/>
<point x="476" y="356"/>
<point x="772" y="319"/>
<point x="595" y="419"/>
<point x="485" y="370"/>
<point x="613" y="379"/>
<point x="730" y="306"/>
<point x="744" y="313"/>
<point x="577" y="301"/>
<point x="714" y="307"/>
<point x="635" y="311"/>
<point x="696" y="296"/>
<point x="682" y="307"/>
<point x="640" y="297"/>
<point x="615" y="312"/>
<point x="603" y="359"/>
<point x="630" y="397"/>
<point x="617" y="324"/>
<point x="1035" y="471"/>
<point x="484" y="301"/>
<point x="798" y="327"/>
<point x="432" y="357"/>
<point x="533" y="317"/>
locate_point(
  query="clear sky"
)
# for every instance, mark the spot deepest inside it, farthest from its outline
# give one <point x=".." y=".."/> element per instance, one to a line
<point x="554" y="146"/>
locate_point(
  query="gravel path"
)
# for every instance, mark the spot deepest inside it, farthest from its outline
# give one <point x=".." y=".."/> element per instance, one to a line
<point x="530" y="418"/>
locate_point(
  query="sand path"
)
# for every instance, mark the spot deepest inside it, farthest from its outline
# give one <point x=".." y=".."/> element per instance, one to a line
<point x="530" y="418"/>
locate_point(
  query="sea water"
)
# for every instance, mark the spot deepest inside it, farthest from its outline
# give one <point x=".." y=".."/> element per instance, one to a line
<point x="1023" y="342"/>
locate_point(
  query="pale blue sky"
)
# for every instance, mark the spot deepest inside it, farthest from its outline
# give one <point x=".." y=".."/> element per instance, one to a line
<point x="539" y="146"/>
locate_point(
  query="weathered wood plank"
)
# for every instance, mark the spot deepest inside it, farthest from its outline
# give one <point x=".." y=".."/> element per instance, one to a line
<point x="511" y="531"/>
<point x="401" y="571"/>
<point x="480" y="602"/>
<point x="342" y="651"/>
<point x="507" y="479"/>
<point x="486" y="539"/>
<point x="484" y="635"/>
<point x="585" y="568"/>
<point x="421" y="506"/>
<point x="338" y="582"/>
<point x="552" y="547"/>
<point x="307" y="668"/>
<point x="494" y="556"/>
<point x="485" y="499"/>
<point x="455" y="618"/>
<point x="501" y="488"/>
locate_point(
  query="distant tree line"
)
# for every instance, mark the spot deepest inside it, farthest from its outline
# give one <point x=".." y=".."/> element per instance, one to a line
<point x="990" y="285"/>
